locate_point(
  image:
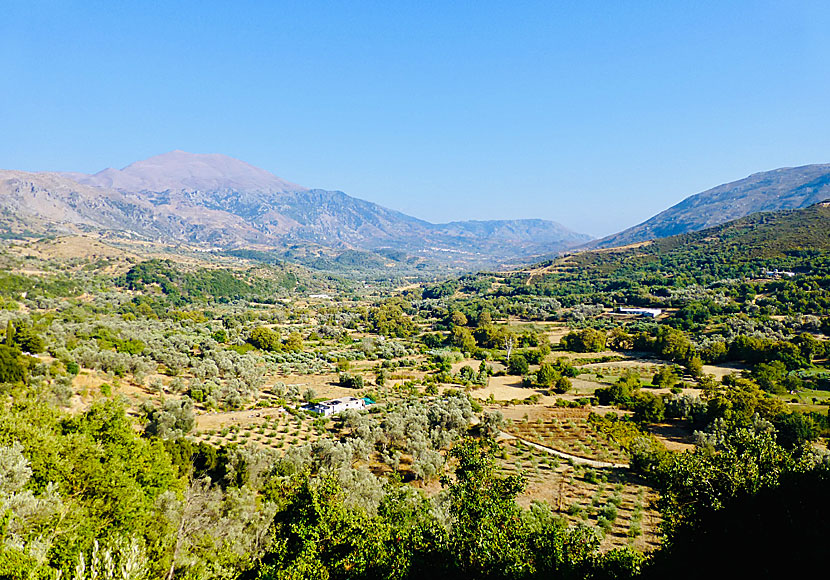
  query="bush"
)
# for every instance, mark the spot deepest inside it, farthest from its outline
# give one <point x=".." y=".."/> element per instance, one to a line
<point x="517" y="365"/>
<point x="351" y="381"/>
<point x="562" y="386"/>
<point x="609" y="512"/>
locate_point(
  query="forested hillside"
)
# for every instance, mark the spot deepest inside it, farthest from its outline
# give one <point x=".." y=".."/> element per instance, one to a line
<point x="768" y="191"/>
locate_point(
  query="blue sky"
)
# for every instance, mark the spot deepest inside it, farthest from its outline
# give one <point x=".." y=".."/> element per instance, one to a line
<point x="593" y="114"/>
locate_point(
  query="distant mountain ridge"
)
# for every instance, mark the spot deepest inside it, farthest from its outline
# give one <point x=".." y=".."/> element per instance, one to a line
<point x="180" y="170"/>
<point x="784" y="188"/>
<point x="224" y="202"/>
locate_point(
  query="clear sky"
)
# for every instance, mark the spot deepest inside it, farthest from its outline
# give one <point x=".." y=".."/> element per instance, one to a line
<point x="593" y="114"/>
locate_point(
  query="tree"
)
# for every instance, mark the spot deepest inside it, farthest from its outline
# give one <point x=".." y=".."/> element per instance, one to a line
<point x="648" y="408"/>
<point x="785" y="525"/>
<point x="265" y="338"/>
<point x="547" y="375"/>
<point x="585" y="340"/>
<point x="619" y="339"/>
<point x="12" y="367"/>
<point x="488" y="536"/>
<point x="509" y="343"/>
<point x="770" y="376"/>
<point x="350" y="381"/>
<point x="494" y="336"/>
<point x="174" y="419"/>
<point x="738" y="399"/>
<point x="794" y="430"/>
<point x="28" y="340"/>
<point x="390" y="320"/>
<point x="694" y="366"/>
<point x="457" y="318"/>
<point x="672" y="344"/>
<point x="747" y="460"/>
<point x="318" y="536"/>
<point x="665" y="378"/>
<point x="620" y="392"/>
<point x="196" y="514"/>
<point x="517" y="365"/>
<point x="462" y="338"/>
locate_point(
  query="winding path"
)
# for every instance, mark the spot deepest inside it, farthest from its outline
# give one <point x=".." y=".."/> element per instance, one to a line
<point x="568" y="456"/>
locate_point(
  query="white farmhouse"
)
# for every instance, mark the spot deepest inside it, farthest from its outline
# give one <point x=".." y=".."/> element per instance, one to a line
<point x="333" y="406"/>
<point x="647" y="312"/>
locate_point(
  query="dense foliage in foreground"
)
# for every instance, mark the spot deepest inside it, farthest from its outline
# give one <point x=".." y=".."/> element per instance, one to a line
<point x="86" y="493"/>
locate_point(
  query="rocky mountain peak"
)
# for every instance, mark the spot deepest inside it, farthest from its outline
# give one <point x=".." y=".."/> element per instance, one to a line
<point x="180" y="170"/>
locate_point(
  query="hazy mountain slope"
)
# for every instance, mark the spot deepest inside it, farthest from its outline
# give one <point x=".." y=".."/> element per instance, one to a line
<point x="509" y="237"/>
<point x="51" y="200"/>
<point x="785" y="188"/>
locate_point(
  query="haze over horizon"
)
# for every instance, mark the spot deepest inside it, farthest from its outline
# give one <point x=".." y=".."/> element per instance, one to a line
<point x="595" y="117"/>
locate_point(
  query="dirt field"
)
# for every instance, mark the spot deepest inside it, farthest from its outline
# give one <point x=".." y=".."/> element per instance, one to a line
<point x="613" y="499"/>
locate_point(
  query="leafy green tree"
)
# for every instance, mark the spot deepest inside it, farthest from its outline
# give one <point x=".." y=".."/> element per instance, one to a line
<point x="795" y="430"/>
<point x="547" y="375"/>
<point x="390" y="320"/>
<point x="265" y="338"/>
<point x="517" y="365"/>
<point x="492" y="336"/>
<point x="619" y="339"/>
<point x="621" y="392"/>
<point x="350" y="381"/>
<point x="738" y="399"/>
<point x="462" y="338"/>
<point x="770" y="376"/>
<point x="746" y="461"/>
<point x="317" y="536"/>
<point x="12" y="367"/>
<point x="28" y="340"/>
<point x="647" y="407"/>
<point x="488" y="536"/>
<point x="694" y="366"/>
<point x="784" y="526"/>
<point x="585" y="340"/>
<point x="665" y="378"/>
<point x="672" y="344"/>
<point x="457" y="318"/>
<point x="8" y="340"/>
<point x="173" y="419"/>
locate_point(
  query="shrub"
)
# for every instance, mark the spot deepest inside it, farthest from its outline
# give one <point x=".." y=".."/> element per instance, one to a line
<point x="351" y="381"/>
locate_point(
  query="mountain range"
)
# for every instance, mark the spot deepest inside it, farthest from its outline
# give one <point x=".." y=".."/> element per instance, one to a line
<point x="222" y="202"/>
